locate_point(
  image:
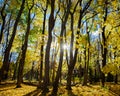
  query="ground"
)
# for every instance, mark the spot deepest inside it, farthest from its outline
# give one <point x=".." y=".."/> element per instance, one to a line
<point x="8" y="89"/>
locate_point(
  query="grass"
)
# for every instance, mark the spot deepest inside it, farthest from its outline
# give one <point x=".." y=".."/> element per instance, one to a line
<point x="8" y="89"/>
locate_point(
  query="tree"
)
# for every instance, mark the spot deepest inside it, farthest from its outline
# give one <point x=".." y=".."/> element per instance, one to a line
<point x="24" y="47"/>
<point x="63" y="28"/>
<point x="3" y="15"/>
<point x="51" y="24"/>
<point x="73" y="61"/>
<point x="70" y="66"/>
<point x="104" y="50"/>
<point x="42" y="46"/>
<point x="5" y="67"/>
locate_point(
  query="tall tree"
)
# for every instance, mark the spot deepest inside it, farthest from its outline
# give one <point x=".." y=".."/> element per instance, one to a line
<point x="104" y="40"/>
<point x="87" y="57"/>
<point x="69" y="75"/>
<point x="51" y="24"/>
<point x="73" y="61"/>
<point x="5" y="67"/>
<point x="24" y="47"/>
<point x="3" y="15"/>
<point x="63" y="29"/>
<point x="42" y="46"/>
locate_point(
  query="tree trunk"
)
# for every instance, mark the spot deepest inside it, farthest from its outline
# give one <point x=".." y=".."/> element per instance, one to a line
<point x="46" y="79"/>
<point x="55" y="51"/>
<point x="8" y="30"/>
<point x="2" y="28"/>
<point x="42" y="50"/>
<point x="70" y="70"/>
<point x="103" y="64"/>
<point x="85" y="70"/>
<point x="5" y="67"/>
<point x="23" y="53"/>
<point x="73" y="61"/>
<point x="16" y="68"/>
<point x="58" y="75"/>
<point x="3" y="15"/>
<point x="116" y="76"/>
<point x="63" y="28"/>
<point x="69" y="78"/>
<point x="104" y="46"/>
<point x="32" y="71"/>
<point x="116" y="79"/>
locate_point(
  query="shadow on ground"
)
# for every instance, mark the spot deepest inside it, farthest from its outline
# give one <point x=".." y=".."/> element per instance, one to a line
<point x="70" y="93"/>
<point x="33" y="93"/>
<point x="36" y="92"/>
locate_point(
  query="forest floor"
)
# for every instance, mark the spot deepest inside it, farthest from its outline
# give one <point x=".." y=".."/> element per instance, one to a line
<point x="8" y="89"/>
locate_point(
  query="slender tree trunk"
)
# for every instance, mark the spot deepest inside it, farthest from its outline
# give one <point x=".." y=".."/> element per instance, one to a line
<point x="54" y="57"/>
<point x="88" y="59"/>
<point x="5" y="67"/>
<point x="42" y="49"/>
<point x="58" y="74"/>
<point x="8" y="30"/>
<point x="104" y="53"/>
<point x="2" y="28"/>
<point x="85" y="69"/>
<point x="46" y="79"/>
<point x="116" y="79"/>
<point x="72" y="62"/>
<point x="3" y="15"/>
<point x="103" y="63"/>
<point x="16" y="68"/>
<point x="23" y="53"/>
<point x="98" y="69"/>
<point x="69" y="78"/>
<point x="32" y="71"/>
<point x="116" y="76"/>
<point x="71" y="66"/>
<point x="53" y="65"/>
<point x="63" y="28"/>
<point x="87" y="62"/>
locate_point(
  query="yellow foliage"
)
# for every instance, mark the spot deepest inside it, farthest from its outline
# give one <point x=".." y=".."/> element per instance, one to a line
<point x="78" y="90"/>
<point x="12" y="91"/>
<point x="14" y="4"/>
<point x="115" y="4"/>
<point x="112" y="67"/>
<point x="68" y="33"/>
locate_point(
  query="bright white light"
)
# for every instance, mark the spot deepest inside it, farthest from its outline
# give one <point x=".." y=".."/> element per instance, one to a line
<point x="65" y="46"/>
<point x="95" y="33"/>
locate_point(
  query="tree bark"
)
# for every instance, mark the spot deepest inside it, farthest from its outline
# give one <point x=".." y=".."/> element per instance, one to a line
<point x="85" y="69"/>
<point x="42" y="49"/>
<point x="24" y="49"/>
<point x="5" y="67"/>
<point x="116" y="76"/>
<point x="3" y="15"/>
<point x="73" y="61"/>
<point x="46" y="79"/>
<point x="116" y="79"/>
<point x="87" y="59"/>
<point x="104" y="46"/>
<point x="58" y="74"/>
<point x="63" y="28"/>
<point x="16" y="68"/>
<point x="70" y="70"/>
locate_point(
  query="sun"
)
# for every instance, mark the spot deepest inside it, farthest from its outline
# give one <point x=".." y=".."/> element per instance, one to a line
<point x="65" y="46"/>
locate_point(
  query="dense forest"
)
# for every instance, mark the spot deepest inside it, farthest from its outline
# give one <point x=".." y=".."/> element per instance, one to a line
<point x="57" y="43"/>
